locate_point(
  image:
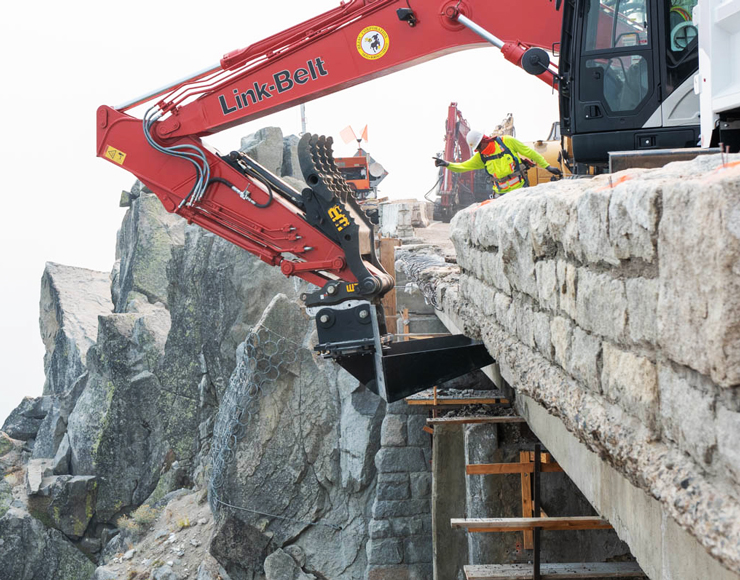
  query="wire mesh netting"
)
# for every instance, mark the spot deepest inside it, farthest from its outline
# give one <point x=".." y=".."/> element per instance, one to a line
<point x="261" y="360"/>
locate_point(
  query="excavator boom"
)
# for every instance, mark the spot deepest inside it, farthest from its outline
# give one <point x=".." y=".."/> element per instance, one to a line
<point x="319" y="234"/>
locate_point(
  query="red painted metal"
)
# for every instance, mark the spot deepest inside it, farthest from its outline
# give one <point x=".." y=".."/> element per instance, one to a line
<point x="456" y="149"/>
<point x="307" y="61"/>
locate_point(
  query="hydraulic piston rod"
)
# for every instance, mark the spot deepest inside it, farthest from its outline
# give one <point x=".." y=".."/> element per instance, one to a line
<point x="511" y="51"/>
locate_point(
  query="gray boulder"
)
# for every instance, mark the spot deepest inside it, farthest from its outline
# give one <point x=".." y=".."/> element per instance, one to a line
<point x="71" y="300"/>
<point x="54" y="426"/>
<point x="266" y="148"/>
<point x="146" y="239"/>
<point x="291" y="166"/>
<point x="60" y="465"/>
<point x="115" y="430"/>
<point x="30" y="551"/>
<point x="24" y="421"/>
<point x="239" y="547"/>
<point x="281" y="566"/>
<point x="66" y="503"/>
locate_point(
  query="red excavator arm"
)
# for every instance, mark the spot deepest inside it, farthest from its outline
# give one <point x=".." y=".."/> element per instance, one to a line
<point x="318" y="234"/>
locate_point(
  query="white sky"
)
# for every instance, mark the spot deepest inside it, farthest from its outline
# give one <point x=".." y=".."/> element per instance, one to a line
<point x="62" y="60"/>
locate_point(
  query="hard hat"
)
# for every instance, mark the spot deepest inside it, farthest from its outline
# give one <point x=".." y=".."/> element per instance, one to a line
<point x="474" y="138"/>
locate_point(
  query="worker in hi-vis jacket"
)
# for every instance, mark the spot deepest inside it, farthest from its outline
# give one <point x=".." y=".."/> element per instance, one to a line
<point x="502" y="159"/>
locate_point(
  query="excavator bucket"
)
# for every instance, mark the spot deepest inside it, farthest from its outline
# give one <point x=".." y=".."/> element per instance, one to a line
<point x="406" y="368"/>
<point x="353" y="334"/>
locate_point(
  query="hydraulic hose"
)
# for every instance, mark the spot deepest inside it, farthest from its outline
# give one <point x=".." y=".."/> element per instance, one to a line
<point x="244" y="194"/>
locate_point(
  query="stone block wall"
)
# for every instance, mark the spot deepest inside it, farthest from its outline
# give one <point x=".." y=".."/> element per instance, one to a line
<point x="400" y="545"/>
<point x="614" y="302"/>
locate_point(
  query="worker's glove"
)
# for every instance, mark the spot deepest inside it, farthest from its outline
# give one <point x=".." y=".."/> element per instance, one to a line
<point x="554" y="170"/>
<point x="439" y="162"/>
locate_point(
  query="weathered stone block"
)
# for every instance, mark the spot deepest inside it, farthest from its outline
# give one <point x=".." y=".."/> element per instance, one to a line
<point x="541" y="329"/>
<point x="642" y="300"/>
<point x="421" y="485"/>
<point x="403" y="527"/>
<point x="393" y="431"/>
<point x="631" y="382"/>
<point x="518" y="261"/>
<point x="421" y="572"/>
<point x="417" y="549"/>
<point x="388" y="573"/>
<point x="562" y="216"/>
<point x="687" y="411"/>
<point x="699" y="257"/>
<point x="523" y="322"/>
<point x="561" y="331"/>
<point x="583" y="363"/>
<point x="601" y="304"/>
<point x="593" y="227"/>
<point x="633" y="219"/>
<point x="379" y="529"/>
<point x="393" y="490"/>
<point x="398" y="509"/>
<point x="493" y="272"/>
<point x="385" y="551"/>
<point x="567" y="274"/>
<point x="547" y="284"/>
<point x="501" y="304"/>
<point x="400" y="459"/>
<point x="417" y="437"/>
<point x="728" y="435"/>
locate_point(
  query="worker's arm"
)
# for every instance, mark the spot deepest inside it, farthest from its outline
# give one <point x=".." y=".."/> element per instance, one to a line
<point x="475" y="162"/>
<point x="521" y="149"/>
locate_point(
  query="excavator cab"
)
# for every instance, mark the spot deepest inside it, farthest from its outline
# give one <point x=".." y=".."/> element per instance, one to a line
<point x="626" y="77"/>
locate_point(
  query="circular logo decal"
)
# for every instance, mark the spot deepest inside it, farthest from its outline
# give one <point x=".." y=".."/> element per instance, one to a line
<point x="373" y="42"/>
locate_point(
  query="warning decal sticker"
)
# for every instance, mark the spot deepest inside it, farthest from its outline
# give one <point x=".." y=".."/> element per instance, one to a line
<point x="115" y="155"/>
<point x="373" y="43"/>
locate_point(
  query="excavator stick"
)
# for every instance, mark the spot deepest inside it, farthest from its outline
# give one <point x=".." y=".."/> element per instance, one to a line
<point x="349" y="318"/>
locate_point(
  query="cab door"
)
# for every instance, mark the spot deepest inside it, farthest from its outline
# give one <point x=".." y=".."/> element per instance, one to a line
<point x="618" y="86"/>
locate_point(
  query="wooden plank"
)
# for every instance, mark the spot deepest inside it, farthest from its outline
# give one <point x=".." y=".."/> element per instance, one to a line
<point x="387" y="257"/>
<point x="448" y="402"/>
<point x="500" y="468"/>
<point x="474" y="419"/>
<point x="520" y="524"/>
<point x="527" y="504"/>
<point x="544" y="457"/>
<point x="555" y="571"/>
<point x="406" y="327"/>
<point x="427" y="429"/>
